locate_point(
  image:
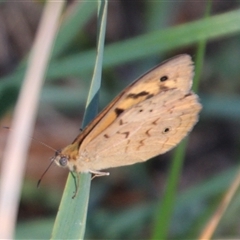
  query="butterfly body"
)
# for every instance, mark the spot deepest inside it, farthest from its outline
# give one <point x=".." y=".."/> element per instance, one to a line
<point x="150" y="117"/>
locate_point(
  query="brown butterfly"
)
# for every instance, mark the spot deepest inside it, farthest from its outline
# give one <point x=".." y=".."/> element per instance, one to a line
<point x="150" y="117"/>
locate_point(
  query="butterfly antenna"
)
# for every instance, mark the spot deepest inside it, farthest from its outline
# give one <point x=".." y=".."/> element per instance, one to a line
<point x="36" y="140"/>
<point x="39" y="181"/>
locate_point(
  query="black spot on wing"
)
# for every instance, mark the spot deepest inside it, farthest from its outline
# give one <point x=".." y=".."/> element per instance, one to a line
<point x="164" y="78"/>
<point x="118" y="111"/>
<point x="137" y="95"/>
<point x="106" y="136"/>
<point x="166" y="130"/>
<point x="188" y="94"/>
<point x="126" y="134"/>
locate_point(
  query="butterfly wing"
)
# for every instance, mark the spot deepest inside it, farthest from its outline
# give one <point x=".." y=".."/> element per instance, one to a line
<point x="146" y="130"/>
<point x="146" y="119"/>
<point x="175" y="73"/>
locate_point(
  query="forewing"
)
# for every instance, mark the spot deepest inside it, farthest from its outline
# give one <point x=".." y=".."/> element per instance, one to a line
<point x="148" y="129"/>
<point x="175" y="73"/>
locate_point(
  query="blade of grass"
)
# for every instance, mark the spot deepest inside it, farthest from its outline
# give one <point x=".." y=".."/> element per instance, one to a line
<point x="150" y="44"/>
<point x="166" y="207"/>
<point x="71" y="218"/>
<point x="201" y="51"/>
<point x="164" y="211"/>
<point x="215" y="219"/>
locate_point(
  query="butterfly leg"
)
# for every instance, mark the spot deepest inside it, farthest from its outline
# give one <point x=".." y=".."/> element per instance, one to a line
<point x="98" y="174"/>
<point x="76" y="182"/>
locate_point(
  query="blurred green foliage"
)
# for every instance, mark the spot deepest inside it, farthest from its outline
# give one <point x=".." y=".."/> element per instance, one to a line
<point x="154" y="40"/>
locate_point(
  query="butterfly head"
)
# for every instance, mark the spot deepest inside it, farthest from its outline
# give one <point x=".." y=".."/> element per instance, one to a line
<point x="60" y="159"/>
<point x="66" y="157"/>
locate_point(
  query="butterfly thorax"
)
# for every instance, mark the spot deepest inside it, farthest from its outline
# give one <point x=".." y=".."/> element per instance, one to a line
<point x="70" y="158"/>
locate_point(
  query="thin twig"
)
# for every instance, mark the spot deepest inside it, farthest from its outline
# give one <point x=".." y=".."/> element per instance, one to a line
<point x="214" y="221"/>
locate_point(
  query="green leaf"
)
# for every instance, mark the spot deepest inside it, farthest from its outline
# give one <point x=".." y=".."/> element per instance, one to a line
<point x="166" y="207"/>
<point x="71" y="218"/>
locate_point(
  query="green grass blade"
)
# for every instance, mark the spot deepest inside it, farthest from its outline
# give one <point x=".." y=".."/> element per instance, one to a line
<point x="201" y="52"/>
<point x="92" y="101"/>
<point x="71" y="219"/>
<point x="151" y="44"/>
<point x="166" y="207"/>
<point x="142" y="46"/>
<point x="165" y="210"/>
<point x="70" y="222"/>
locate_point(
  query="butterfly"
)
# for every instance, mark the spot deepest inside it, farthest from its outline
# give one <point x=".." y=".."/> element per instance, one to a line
<point x="150" y="117"/>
